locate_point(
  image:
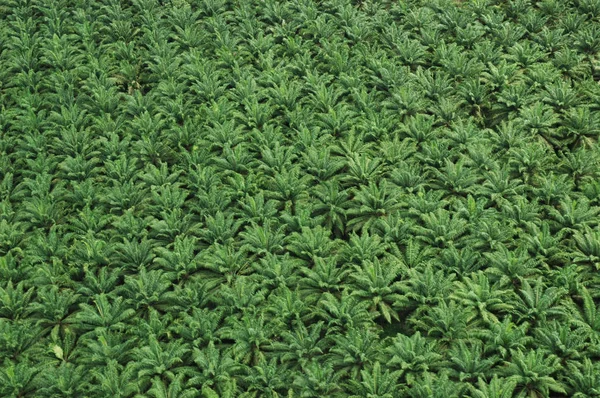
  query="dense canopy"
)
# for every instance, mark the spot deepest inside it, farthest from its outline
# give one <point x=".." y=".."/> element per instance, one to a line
<point x="301" y="198"/>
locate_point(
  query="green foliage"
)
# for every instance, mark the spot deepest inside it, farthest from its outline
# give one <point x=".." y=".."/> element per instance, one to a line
<point x="299" y="199"/>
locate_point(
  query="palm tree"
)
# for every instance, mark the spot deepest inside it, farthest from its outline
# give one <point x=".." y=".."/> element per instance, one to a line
<point x="414" y="355"/>
<point x="301" y="344"/>
<point x="586" y="315"/>
<point x="15" y="301"/>
<point x="275" y="271"/>
<point x="573" y="214"/>
<point x="217" y="368"/>
<point x="500" y="187"/>
<point x="175" y="388"/>
<point x="539" y="303"/>
<point x="587" y="247"/>
<point x="426" y="285"/>
<point x="369" y="204"/>
<point x="495" y="388"/>
<point x="287" y="307"/>
<point x="544" y="245"/>
<point x="461" y="262"/>
<point x="20" y="379"/>
<point x="319" y="163"/>
<point x="319" y="380"/>
<point x="487" y="300"/>
<point x="311" y="243"/>
<point x="395" y="231"/>
<point x="405" y="100"/>
<point x="134" y="254"/>
<point x="362" y="167"/>
<point x="222" y="264"/>
<point x="149" y="290"/>
<point x="251" y="336"/>
<point x="107" y="314"/>
<point x="505" y="336"/>
<point x="376" y="383"/>
<point x="345" y="312"/>
<point x="269" y="379"/>
<point x="181" y="261"/>
<point x="263" y="239"/>
<point x="326" y="276"/>
<point x="562" y="340"/>
<point x="54" y="308"/>
<point x="432" y="385"/>
<point x="446" y="321"/>
<point x="66" y="379"/>
<point x="332" y="204"/>
<point x="379" y="283"/>
<point x="352" y="352"/>
<point x="365" y="246"/>
<point x="256" y="209"/>
<point x="101" y="348"/>
<point x="468" y="361"/>
<point x="116" y="380"/>
<point x="441" y="229"/>
<point x="162" y="359"/>
<point x="551" y="188"/>
<point x="533" y="373"/>
<point x="243" y="295"/>
<point x="408" y="176"/>
<point x="584" y="379"/>
<point x="220" y="228"/>
<point x="511" y="266"/>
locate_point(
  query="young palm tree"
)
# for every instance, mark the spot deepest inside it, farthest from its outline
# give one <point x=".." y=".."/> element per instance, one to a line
<point x="344" y="313"/>
<point x="533" y="372"/>
<point x="487" y="300"/>
<point x="319" y="380"/>
<point x="269" y="379"/>
<point x="354" y="351"/>
<point x="539" y="303"/>
<point x="562" y="340"/>
<point x="414" y="355"/>
<point x="163" y="359"/>
<point x="369" y="204"/>
<point x="175" y="388"/>
<point x="446" y="321"/>
<point x="441" y="229"/>
<point x="217" y="368"/>
<point x="116" y="380"/>
<point x="107" y="314"/>
<point x="251" y="335"/>
<point x="468" y="362"/>
<point x="149" y="290"/>
<point x="584" y="379"/>
<point x="376" y="383"/>
<point x="587" y="315"/>
<point x="378" y="282"/>
<point x="327" y="276"/>
<point x="495" y="388"/>
<point x="332" y="204"/>
<point x="426" y="285"/>
<point x="432" y="385"/>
